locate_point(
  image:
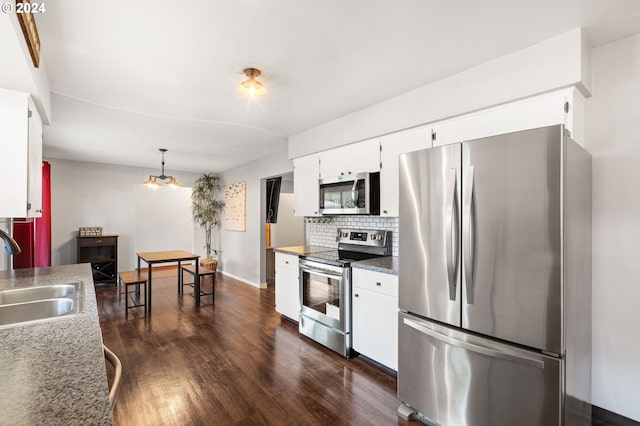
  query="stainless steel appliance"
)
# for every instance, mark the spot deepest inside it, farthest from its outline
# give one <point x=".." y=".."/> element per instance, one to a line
<point x="495" y="281"/>
<point x="351" y="194"/>
<point x="325" y="286"/>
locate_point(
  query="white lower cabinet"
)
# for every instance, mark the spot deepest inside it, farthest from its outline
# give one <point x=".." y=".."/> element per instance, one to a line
<point x="287" y="285"/>
<point x="375" y="316"/>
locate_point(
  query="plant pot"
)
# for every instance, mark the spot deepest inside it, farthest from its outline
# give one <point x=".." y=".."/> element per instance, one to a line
<point x="209" y="263"/>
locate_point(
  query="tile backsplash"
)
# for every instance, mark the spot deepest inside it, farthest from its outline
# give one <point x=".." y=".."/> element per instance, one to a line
<point x="324" y="234"/>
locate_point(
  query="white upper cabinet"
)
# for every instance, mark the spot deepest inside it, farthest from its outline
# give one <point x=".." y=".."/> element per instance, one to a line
<point x="350" y="159"/>
<point x="21" y="156"/>
<point x="391" y="147"/>
<point x="559" y="107"/>
<point x="306" y="191"/>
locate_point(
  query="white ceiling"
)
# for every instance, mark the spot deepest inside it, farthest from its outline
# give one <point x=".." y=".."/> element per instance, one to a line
<point x="129" y="77"/>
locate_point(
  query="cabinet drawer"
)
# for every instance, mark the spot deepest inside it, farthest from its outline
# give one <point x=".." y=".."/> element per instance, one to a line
<point x="97" y="241"/>
<point x="375" y="281"/>
<point x="288" y="261"/>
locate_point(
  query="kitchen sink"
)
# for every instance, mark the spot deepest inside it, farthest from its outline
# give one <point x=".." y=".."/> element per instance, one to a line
<point x="40" y="303"/>
<point x="33" y="311"/>
<point x="31" y="294"/>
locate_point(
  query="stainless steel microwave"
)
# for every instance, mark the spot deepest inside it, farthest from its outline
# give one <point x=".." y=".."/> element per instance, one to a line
<point x="351" y="194"/>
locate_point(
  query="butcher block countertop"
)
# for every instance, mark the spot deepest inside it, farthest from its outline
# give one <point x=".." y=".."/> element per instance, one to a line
<point x="298" y="250"/>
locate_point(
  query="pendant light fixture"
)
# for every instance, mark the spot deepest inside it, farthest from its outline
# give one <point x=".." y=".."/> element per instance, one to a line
<point x="252" y="87"/>
<point x="152" y="182"/>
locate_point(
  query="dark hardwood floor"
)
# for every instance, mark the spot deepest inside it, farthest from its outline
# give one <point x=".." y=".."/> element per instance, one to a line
<point x="234" y="362"/>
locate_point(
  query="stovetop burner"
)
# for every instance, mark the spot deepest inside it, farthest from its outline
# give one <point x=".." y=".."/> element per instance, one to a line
<point x="354" y="245"/>
<point x="339" y="257"/>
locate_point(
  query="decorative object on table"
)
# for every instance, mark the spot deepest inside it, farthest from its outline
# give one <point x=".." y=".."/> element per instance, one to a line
<point x="251" y="86"/>
<point x="236" y="202"/>
<point x="206" y="210"/>
<point x="94" y="231"/>
<point x="152" y="181"/>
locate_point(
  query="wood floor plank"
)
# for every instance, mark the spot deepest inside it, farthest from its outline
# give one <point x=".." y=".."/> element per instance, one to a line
<point x="234" y="361"/>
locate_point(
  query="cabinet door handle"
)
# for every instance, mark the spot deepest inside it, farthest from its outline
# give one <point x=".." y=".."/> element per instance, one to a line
<point x="286" y="261"/>
<point x="384" y="211"/>
<point x="356" y="295"/>
<point x="99" y="242"/>
<point x="378" y="283"/>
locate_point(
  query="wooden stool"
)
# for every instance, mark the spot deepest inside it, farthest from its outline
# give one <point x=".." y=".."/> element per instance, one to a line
<point x="132" y="278"/>
<point x="202" y="272"/>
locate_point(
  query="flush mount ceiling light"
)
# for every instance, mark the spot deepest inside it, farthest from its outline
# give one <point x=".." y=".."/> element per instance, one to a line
<point x="252" y="87"/>
<point x="152" y="182"/>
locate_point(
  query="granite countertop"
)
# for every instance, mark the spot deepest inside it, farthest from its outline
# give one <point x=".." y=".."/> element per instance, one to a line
<point x="387" y="264"/>
<point x="298" y="250"/>
<point x="53" y="371"/>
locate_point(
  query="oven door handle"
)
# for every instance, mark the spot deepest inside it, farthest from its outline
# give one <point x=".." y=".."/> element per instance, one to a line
<point x="320" y="272"/>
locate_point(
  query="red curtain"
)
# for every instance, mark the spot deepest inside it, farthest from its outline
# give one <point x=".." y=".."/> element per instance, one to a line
<point x="34" y="237"/>
<point x="42" y="253"/>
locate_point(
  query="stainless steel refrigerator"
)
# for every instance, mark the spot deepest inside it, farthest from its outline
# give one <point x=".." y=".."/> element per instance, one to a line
<point x="495" y="281"/>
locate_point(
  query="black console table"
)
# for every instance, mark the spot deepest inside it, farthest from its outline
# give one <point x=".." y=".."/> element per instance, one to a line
<point x="102" y="253"/>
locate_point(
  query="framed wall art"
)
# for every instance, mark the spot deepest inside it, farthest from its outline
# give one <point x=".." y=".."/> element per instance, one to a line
<point x="235" y="210"/>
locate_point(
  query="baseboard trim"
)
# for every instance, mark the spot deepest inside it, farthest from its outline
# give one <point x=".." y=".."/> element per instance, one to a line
<point x="610" y="418"/>
<point x="251" y="283"/>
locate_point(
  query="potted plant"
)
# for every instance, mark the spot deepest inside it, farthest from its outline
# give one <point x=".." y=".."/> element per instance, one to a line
<point x="206" y="209"/>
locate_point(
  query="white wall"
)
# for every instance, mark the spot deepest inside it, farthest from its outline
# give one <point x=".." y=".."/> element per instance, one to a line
<point x="289" y="230"/>
<point x="612" y="129"/>
<point x="91" y="194"/>
<point x="17" y="71"/>
<point x="242" y="254"/>
<point x="552" y="64"/>
<point x="163" y="219"/>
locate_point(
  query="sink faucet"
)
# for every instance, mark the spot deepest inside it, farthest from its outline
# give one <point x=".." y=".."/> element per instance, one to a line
<point x="10" y="244"/>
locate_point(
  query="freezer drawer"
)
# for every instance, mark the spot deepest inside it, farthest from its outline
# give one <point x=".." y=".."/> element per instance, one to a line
<point x="454" y="378"/>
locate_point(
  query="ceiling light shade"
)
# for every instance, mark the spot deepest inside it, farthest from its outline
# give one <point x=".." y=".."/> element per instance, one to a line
<point x="173" y="183"/>
<point x="252" y="87"/>
<point x="152" y="181"/>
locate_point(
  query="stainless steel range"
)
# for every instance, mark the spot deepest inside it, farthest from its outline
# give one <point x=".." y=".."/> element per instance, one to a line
<point x="325" y="286"/>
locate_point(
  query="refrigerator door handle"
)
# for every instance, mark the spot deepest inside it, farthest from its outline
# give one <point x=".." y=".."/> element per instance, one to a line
<point x="451" y="238"/>
<point x="493" y="353"/>
<point x="468" y="233"/>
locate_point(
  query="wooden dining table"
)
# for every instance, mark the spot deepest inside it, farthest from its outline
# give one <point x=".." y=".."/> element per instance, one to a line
<point x="155" y="257"/>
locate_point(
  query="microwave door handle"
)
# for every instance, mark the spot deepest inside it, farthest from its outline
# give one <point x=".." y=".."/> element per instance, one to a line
<point x="354" y="193"/>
